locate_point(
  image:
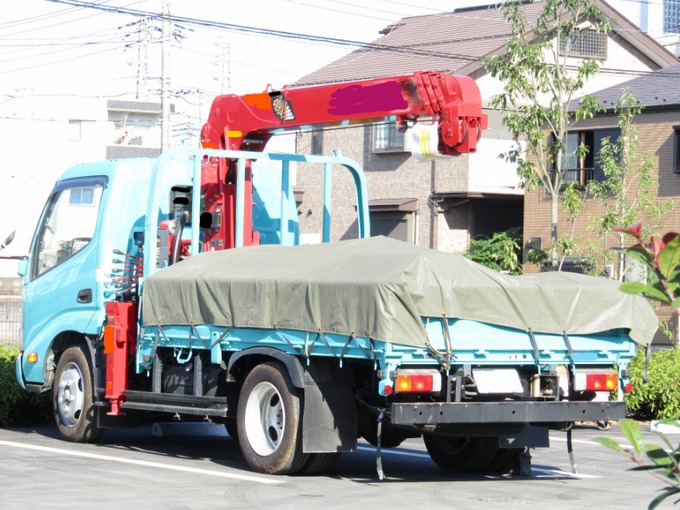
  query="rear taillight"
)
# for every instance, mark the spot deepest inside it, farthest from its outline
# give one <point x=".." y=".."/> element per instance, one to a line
<point x="596" y="381"/>
<point x="418" y="381"/>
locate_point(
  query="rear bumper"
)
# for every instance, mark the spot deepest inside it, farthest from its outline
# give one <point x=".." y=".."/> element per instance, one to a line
<point x="450" y="413"/>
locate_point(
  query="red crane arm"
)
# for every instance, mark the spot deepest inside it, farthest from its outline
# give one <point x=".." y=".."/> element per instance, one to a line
<point x="247" y="122"/>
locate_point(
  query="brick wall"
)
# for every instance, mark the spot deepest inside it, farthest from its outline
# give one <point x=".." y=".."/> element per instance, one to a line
<point x="655" y="140"/>
<point x="393" y="175"/>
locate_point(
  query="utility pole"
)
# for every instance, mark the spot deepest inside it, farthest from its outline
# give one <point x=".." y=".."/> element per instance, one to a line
<point x="165" y="79"/>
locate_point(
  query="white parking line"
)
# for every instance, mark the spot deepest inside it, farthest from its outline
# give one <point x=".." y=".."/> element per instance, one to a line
<point x="158" y="465"/>
<point x="575" y="441"/>
<point x="558" y="472"/>
<point x="395" y="452"/>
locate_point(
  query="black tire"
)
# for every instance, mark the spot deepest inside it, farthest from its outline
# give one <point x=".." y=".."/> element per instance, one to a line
<point x="390" y="437"/>
<point x="73" y="398"/>
<point x="269" y="421"/>
<point x="505" y="461"/>
<point x="318" y="463"/>
<point x="232" y="429"/>
<point x="456" y="454"/>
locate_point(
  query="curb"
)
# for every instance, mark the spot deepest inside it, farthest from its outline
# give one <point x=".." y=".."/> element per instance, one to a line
<point x="664" y="428"/>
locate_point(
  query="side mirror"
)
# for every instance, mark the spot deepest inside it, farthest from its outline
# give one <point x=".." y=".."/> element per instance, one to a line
<point x="23" y="266"/>
<point x="8" y="240"/>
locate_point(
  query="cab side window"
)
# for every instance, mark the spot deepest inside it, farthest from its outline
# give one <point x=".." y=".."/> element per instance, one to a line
<point x="67" y="227"/>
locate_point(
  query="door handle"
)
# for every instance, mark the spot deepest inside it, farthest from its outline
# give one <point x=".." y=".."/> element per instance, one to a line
<point x="85" y="296"/>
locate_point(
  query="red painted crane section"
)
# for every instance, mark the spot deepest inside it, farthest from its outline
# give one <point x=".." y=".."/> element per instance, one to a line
<point x="247" y="122"/>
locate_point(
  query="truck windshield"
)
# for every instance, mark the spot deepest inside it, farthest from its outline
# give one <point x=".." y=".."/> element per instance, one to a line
<point x="67" y="227"/>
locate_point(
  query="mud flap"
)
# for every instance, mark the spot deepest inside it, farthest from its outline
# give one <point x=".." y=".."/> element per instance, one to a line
<point x="329" y="414"/>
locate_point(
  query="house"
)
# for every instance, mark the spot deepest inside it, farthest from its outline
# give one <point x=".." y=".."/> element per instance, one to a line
<point x="658" y="128"/>
<point x="444" y="203"/>
<point x="661" y="20"/>
<point x="42" y="137"/>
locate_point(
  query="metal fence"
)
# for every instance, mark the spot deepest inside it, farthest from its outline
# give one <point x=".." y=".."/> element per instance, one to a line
<point x="10" y="318"/>
<point x="10" y="312"/>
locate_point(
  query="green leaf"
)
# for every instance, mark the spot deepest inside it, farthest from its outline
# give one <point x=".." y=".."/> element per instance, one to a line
<point x="659" y="456"/>
<point x="651" y="290"/>
<point x="632" y="432"/>
<point x="659" y="499"/>
<point x="669" y="257"/>
<point x="640" y="253"/>
<point x="656" y="291"/>
<point x="633" y="287"/>
<point x="609" y="443"/>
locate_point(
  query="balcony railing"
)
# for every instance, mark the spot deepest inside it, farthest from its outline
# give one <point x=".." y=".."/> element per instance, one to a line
<point x="580" y="176"/>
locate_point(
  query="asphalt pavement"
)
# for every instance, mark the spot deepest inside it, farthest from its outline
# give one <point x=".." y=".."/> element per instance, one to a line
<point x="201" y="467"/>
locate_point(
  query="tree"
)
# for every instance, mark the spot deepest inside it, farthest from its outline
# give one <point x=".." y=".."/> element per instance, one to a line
<point x="627" y="191"/>
<point x="541" y="83"/>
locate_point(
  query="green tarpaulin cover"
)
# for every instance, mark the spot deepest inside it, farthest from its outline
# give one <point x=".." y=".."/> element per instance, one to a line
<point x="381" y="288"/>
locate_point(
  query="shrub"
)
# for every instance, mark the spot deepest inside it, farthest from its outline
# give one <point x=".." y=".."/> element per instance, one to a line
<point x="501" y="252"/>
<point x="19" y="407"/>
<point x="658" y="395"/>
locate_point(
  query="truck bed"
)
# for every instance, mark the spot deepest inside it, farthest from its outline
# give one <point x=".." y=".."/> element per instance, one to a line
<point x="381" y="289"/>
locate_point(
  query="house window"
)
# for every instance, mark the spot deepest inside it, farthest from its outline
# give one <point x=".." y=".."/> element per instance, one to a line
<point x="386" y="138"/>
<point x="676" y="149"/>
<point x="671" y="16"/>
<point x="585" y="43"/>
<point x="81" y="196"/>
<point x="317" y="141"/>
<point x="586" y="169"/>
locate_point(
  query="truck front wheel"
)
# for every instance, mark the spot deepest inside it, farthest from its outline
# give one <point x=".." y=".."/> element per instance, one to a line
<point x="73" y="402"/>
<point x="269" y="421"/>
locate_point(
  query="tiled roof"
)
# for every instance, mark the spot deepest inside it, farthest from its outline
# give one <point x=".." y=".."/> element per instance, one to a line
<point x="452" y="43"/>
<point x="658" y="89"/>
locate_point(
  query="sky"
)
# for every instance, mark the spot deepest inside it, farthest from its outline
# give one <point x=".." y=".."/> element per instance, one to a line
<point x="51" y="50"/>
<point x="57" y="48"/>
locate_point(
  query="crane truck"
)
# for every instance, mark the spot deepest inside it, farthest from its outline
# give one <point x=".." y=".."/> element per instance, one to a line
<point x="177" y="288"/>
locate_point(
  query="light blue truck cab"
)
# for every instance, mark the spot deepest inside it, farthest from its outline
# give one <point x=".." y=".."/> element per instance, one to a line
<point x="93" y="209"/>
<point x="300" y="350"/>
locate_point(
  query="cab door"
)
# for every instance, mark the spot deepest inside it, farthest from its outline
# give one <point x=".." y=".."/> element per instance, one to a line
<point x="59" y="293"/>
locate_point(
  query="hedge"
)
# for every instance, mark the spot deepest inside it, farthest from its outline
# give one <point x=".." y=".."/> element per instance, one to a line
<point x="19" y="408"/>
<point x="655" y="395"/>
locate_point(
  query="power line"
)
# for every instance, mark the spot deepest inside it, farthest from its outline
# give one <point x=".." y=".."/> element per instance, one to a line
<point x="269" y="32"/>
<point x="410" y="49"/>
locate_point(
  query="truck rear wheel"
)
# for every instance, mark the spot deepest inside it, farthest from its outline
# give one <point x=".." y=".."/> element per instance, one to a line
<point x="318" y="463"/>
<point x="456" y="454"/>
<point x="505" y="461"/>
<point x="269" y="421"/>
<point x="73" y="402"/>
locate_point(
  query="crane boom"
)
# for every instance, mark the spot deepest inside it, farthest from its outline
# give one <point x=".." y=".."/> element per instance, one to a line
<point x="454" y="102"/>
<point x="246" y="123"/>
